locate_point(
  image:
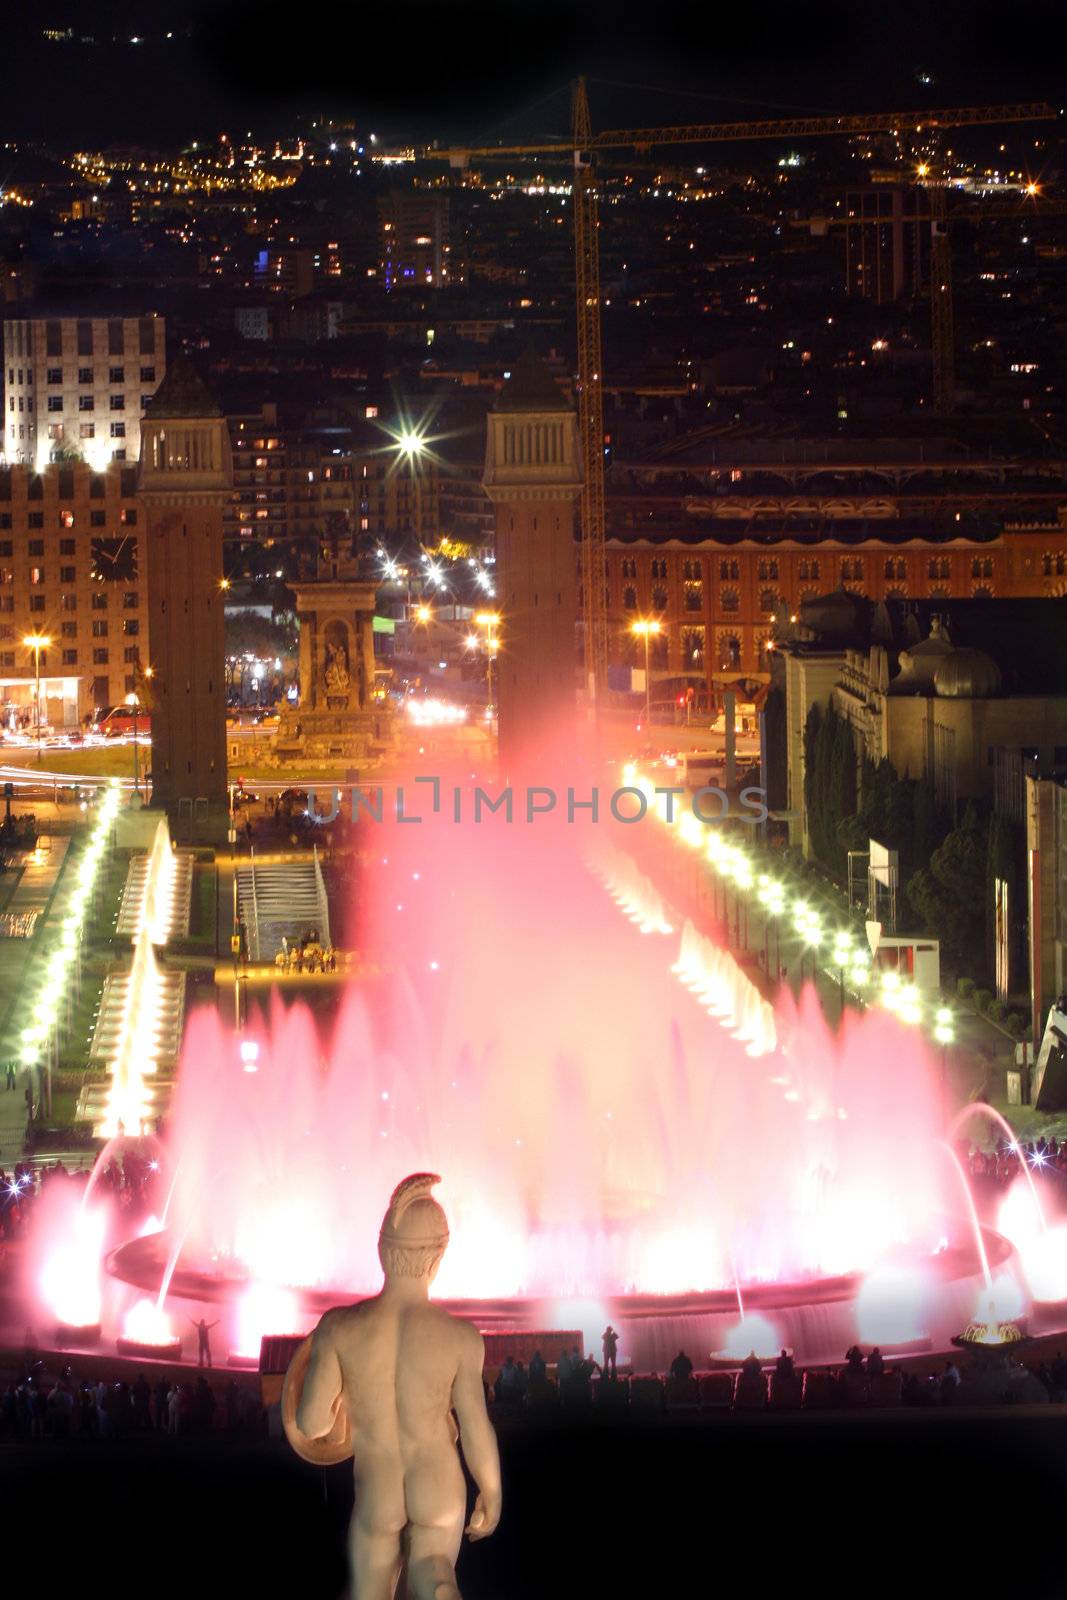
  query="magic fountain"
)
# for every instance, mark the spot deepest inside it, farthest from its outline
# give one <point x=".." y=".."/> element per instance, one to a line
<point x="631" y="1130"/>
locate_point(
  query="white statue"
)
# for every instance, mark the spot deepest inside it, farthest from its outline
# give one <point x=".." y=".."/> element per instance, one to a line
<point x="387" y="1381"/>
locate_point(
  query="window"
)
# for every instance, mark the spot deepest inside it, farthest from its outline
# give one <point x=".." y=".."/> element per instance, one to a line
<point x="67" y="575"/>
<point x="852" y="569"/>
<point x="100" y="657"/>
<point x="35" y="547"/>
<point x="659" y="567"/>
<point x="729" y="600"/>
<point x="768" y="569"/>
<point x="70" y="658"/>
<point x="85" y="375"/>
<point x="86" y="402"/>
<point x="769" y="601"/>
<point x="629" y="567"/>
<point x="629" y="598"/>
<point x="659" y="598"/>
<point x="7" y="602"/>
<point x="148" y="374"/>
<point x="694" y="595"/>
<point x="982" y="567"/>
<point x="129" y="600"/>
<point x="729" y="652"/>
<point x="69" y="630"/>
<point x="146" y="336"/>
<point x="66" y="547"/>
<point x="55" y="402"/>
<point x="37" y="577"/>
<point x="118" y="430"/>
<point x="729" y="571"/>
<point x="114" y="338"/>
<point x="896" y="567"/>
<point x="36" y="602"/>
<point x="808" y="568"/>
<point x="131" y="655"/>
<point x="130" y="626"/>
<point x="116" y="374"/>
<point x="85" y="339"/>
<point x="98" y="519"/>
<point x="86" y="430"/>
<point x="128" y="516"/>
<point x="68" y="602"/>
<point x="117" y="402"/>
<point x="938" y="567"/>
<point x="100" y="629"/>
<point x="692" y="571"/>
<point x="693" y="647"/>
<point x="982" y="591"/>
<point x="66" y="519"/>
<point x="7" y="658"/>
<point x="55" y="375"/>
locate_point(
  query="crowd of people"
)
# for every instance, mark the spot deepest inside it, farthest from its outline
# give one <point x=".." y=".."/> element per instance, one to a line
<point x="130" y="1182"/>
<point x="308" y="954"/>
<point x="37" y="1406"/>
<point x="1005" y="1161"/>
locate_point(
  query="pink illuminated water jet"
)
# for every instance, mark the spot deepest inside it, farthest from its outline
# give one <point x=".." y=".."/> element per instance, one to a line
<point x="606" y="1132"/>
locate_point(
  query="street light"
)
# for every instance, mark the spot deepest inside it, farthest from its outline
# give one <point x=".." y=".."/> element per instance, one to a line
<point x="489" y="620"/>
<point x="645" y="630"/>
<point x="37" y="642"/>
<point x="133" y="703"/>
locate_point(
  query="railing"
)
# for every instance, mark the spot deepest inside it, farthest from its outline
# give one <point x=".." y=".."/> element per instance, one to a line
<point x="323" y="901"/>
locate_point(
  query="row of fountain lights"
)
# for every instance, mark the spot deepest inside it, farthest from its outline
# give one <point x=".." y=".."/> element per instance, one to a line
<point x="44" y="1015"/>
<point x="733" y="864"/>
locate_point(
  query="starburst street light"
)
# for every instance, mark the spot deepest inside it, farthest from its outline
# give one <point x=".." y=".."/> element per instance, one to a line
<point x="645" y="630"/>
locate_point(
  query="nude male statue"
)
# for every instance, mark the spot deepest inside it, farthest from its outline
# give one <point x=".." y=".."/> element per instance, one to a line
<point x="387" y="1380"/>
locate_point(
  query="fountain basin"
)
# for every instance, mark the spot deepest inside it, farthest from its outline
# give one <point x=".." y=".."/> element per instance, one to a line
<point x="814" y="1317"/>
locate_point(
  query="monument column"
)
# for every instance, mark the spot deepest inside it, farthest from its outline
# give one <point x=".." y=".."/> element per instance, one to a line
<point x="186" y="473"/>
<point x="533" y="476"/>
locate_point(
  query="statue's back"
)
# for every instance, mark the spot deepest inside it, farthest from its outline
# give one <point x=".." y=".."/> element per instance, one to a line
<point x="398" y="1364"/>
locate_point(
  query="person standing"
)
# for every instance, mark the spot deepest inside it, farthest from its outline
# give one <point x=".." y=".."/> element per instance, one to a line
<point x="203" y="1343"/>
<point x="611" y="1345"/>
<point x="12" y="1078"/>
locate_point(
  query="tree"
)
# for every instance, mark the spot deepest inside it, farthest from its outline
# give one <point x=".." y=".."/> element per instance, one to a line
<point x="949" y="894"/>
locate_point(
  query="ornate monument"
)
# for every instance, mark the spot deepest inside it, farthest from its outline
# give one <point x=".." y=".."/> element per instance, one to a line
<point x="337" y="717"/>
<point x="395" y="1382"/>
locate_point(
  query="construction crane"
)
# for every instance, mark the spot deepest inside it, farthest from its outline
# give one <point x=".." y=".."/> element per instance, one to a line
<point x="582" y="150"/>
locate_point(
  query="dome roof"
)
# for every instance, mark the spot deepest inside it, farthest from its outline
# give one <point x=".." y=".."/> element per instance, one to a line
<point x="919" y="662"/>
<point x="967" y="674"/>
<point x="834" y="616"/>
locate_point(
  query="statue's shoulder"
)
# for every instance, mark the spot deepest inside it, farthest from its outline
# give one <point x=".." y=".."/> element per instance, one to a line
<point x="338" y="1318"/>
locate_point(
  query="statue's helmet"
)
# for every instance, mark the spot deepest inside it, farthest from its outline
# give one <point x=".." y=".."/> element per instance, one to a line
<point x="414" y="1231"/>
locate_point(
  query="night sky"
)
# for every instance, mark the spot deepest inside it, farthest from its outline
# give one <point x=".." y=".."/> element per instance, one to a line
<point x="479" y="69"/>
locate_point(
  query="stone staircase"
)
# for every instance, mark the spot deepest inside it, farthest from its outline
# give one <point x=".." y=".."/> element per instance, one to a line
<point x="281" y="900"/>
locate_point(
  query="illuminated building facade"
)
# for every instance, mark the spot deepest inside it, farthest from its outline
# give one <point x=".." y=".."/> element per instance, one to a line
<point x="73" y="570"/>
<point x="78" y="386"/>
<point x="721" y="551"/>
<point x="414" y="242"/>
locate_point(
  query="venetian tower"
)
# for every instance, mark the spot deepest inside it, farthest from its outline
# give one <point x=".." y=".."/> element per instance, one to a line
<point x="533" y="476"/>
<point x="186" y="474"/>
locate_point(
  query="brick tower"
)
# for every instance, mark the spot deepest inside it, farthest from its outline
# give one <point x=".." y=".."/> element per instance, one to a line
<point x="533" y="475"/>
<point x="186" y="473"/>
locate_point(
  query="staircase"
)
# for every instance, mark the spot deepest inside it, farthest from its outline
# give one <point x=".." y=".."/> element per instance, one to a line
<point x="281" y="901"/>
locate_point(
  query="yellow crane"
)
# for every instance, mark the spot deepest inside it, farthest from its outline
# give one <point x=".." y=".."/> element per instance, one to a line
<point x="583" y="148"/>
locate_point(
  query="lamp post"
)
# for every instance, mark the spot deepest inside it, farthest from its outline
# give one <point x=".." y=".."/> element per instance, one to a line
<point x="489" y="620"/>
<point x="37" y="642"/>
<point x="645" y="630"/>
<point x="133" y="703"/>
<point x="843" y="956"/>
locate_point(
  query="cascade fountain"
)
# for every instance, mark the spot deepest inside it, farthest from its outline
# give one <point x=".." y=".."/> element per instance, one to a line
<point x="613" y="1146"/>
